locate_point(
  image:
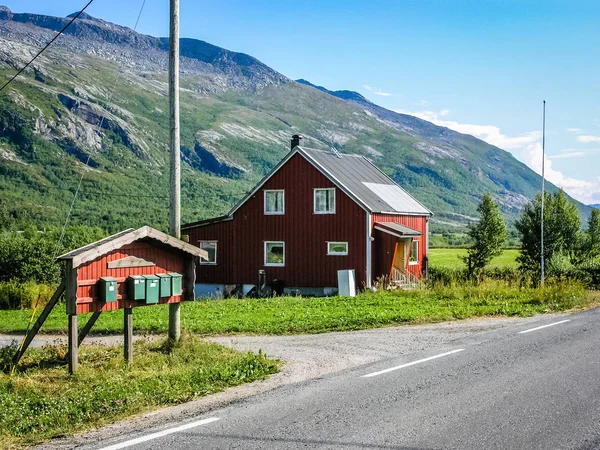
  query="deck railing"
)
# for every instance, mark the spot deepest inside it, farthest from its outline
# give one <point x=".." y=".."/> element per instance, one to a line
<point x="403" y="278"/>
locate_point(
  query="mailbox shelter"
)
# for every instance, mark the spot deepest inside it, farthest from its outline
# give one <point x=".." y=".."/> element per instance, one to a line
<point x="129" y="269"/>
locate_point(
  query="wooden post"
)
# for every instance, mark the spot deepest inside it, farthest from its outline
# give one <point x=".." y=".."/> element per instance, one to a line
<point x="73" y="347"/>
<point x="128" y="334"/>
<point x="88" y="326"/>
<point x="175" y="213"/>
<point x="175" y="321"/>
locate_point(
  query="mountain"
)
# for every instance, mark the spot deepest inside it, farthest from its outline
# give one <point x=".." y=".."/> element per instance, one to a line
<point x="94" y="107"/>
<point x="597" y="206"/>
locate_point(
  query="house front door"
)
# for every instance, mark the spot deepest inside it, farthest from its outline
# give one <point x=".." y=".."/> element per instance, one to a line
<point x="400" y="254"/>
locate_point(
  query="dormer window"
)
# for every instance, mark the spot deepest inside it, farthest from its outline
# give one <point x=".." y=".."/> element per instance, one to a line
<point x="325" y="201"/>
<point x="274" y="202"/>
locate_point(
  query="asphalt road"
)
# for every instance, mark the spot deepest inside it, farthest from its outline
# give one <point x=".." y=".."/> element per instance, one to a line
<point x="501" y="389"/>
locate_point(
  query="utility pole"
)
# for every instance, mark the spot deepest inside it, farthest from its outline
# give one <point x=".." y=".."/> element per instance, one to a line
<point x="175" y="211"/>
<point x="543" y="187"/>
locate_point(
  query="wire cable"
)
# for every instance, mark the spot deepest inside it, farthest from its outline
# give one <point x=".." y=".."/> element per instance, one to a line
<point x="62" y="234"/>
<point x="46" y="46"/>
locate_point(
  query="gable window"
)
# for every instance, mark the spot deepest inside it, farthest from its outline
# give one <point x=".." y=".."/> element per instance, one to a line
<point x="325" y="201"/>
<point x="211" y="248"/>
<point x="274" y="253"/>
<point x="274" y="201"/>
<point x="337" y="248"/>
<point x="414" y="253"/>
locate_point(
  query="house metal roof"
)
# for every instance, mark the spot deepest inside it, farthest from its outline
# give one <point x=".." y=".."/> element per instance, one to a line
<point x="116" y="241"/>
<point x="363" y="181"/>
<point x="397" y="230"/>
<point x="356" y="175"/>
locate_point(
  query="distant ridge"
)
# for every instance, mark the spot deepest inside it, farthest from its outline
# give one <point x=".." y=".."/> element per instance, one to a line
<point x="97" y="101"/>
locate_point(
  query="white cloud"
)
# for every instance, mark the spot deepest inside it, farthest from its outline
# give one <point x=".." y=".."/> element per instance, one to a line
<point x="528" y="149"/>
<point x="575" y="130"/>
<point x="377" y="91"/>
<point x="588" y="139"/>
<point x="489" y="133"/>
<point x="585" y="191"/>
<point x="566" y="155"/>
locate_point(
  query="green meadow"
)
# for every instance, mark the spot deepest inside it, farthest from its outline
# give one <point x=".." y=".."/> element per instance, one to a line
<point x="452" y="257"/>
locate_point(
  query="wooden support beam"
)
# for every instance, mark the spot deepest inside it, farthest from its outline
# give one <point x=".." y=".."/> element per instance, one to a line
<point x="88" y="326"/>
<point x="73" y="347"/>
<point x="175" y="321"/>
<point x="39" y="322"/>
<point x="71" y="287"/>
<point x="189" y="278"/>
<point x="128" y="335"/>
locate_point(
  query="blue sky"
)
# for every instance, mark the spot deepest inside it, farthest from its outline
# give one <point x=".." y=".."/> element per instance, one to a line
<point x="481" y="67"/>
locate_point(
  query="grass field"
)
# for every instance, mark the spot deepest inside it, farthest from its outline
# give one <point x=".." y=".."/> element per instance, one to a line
<point x="293" y="315"/>
<point x="41" y="400"/>
<point x="451" y="257"/>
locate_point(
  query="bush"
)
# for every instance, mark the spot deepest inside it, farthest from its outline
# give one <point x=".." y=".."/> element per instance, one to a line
<point x="456" y="277"/>
<point x="18" y="295"/>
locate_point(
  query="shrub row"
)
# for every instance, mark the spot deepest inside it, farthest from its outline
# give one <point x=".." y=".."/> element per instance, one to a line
<point x="18" y="295"/>
<point x="588" y="275"/>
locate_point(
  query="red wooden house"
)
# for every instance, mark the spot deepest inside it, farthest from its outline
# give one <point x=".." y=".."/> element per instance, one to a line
<point x="315" y="213"/>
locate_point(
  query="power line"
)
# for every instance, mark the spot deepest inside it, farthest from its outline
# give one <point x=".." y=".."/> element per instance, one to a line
<point x="46" y="46"/>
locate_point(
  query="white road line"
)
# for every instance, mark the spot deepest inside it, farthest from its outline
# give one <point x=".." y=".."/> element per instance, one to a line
<point x="374" y="374"/>
<point x="149" y="437"/>
<point x="544" y="326"/>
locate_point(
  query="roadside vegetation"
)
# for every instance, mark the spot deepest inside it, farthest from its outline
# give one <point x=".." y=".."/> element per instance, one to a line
<point x="41" y="400"/>
<point x="454" y="258"/>
<point x="294" y="315"/>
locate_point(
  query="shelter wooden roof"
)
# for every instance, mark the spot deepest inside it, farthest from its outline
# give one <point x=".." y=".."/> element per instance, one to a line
<point x="116" y="241"/>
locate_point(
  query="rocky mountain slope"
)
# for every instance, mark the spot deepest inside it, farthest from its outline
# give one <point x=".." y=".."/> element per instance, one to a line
<point x="95" y="107"/>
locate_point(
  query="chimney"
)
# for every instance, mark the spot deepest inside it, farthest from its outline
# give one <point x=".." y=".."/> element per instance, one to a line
<point x="296" y="140"/>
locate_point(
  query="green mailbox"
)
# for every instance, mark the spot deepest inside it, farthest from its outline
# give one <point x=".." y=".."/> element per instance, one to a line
<point x="136" y="287"/>
<point x="107" y="289"/>
<point x="176" y="283"/>
<point x="152" y="289"/>
<point x="165" y="284"/>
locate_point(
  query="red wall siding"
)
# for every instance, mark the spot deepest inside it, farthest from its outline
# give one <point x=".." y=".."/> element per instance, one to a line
<point x="223" y="271"/>
<point x="166" y="260"/>
<point x="383" y="253"/>
<point x="240" y="251"/>
<point x="415" y="222"/>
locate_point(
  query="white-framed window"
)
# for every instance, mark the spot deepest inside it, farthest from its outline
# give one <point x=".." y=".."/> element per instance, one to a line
<point x="211" y="248"/>
<point x="414" y="253"/>
<point x="274" y="201"/>
<point x="337" y="248"/>
<point x="325" y="201"/>
<point x="274" y="253"/>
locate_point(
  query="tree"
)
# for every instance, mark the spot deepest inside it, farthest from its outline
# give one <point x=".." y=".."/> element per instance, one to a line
<point x="593" y="233"/>
<point x="589" y="247"/>
<point x="488" y="235"/>
<point x="562" y="228"/>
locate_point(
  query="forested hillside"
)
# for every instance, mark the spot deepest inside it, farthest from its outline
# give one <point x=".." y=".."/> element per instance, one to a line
<point x="94" y="107"/>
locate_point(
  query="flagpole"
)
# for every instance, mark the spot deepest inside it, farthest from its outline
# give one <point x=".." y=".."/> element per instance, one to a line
<point x="543" y="187"/>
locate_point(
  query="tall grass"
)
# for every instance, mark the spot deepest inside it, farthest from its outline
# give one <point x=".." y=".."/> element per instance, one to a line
<point x="24" y="295"/>
<point x="41" y="400"/>
<point x="294" y="315"/>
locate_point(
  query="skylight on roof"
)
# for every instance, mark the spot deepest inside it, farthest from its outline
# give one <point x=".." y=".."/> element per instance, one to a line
<point x="396" y="197"/>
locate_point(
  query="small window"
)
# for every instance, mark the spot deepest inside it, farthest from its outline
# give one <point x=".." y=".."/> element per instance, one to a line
<point x="274" y="253"/>
<point x="211" y="248"/>
<point x="337" y="248"/>
<point x="325" y="201"/>
<point x="414" y="253"/>
<point x="274" y="202"/>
